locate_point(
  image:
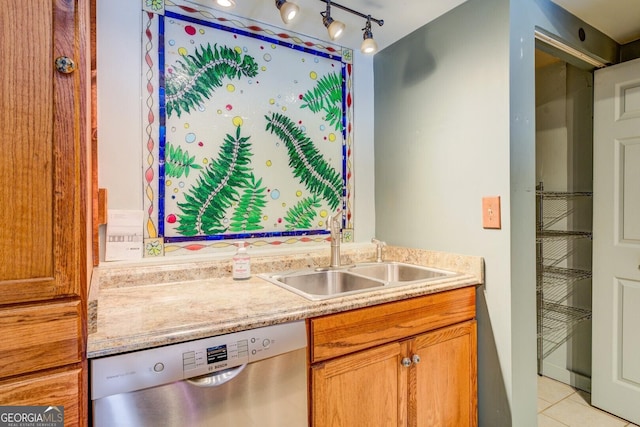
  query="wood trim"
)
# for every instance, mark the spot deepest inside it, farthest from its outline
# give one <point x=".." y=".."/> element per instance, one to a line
<point x="67" y="150"/>
<point x="101" y="214"/>
<point x="95" y="223"/>
<point x="342" y="333"/>
<point x="473" y="422"/>
<point x="86" y="53"/>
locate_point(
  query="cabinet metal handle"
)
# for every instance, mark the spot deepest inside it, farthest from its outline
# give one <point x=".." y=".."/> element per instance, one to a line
<point x="65" y="65"/>
<point x="415" y="358"/>
<point x="406" y="362"/>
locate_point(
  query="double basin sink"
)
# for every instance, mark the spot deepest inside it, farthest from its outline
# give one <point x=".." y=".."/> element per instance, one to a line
<point x="327" y="283"/>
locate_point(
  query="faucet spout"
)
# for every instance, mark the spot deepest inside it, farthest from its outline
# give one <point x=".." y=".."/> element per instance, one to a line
<point x="334" y="227"/>
<point x="379" y="245"/>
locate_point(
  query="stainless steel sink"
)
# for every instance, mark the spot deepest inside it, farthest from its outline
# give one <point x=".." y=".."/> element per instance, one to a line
<point x="332" y="283"/>
<point x="317" y="285"/>
<point x="398" y="272"/>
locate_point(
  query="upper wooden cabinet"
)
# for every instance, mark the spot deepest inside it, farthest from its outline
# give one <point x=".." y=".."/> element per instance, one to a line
<point x="42" y="237"/>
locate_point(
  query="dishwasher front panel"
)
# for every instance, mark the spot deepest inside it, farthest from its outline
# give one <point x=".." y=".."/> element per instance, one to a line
<point x="267" y="393"/>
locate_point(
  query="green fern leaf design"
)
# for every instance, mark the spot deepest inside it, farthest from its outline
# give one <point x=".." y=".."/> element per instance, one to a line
<point x="334" y="117"/>
<point x="197" y="76"/>
<point x="178" y="162"/>
<point x="248" y="214"/>
<point x="216" y="189"/>
<point x="326" y="97"/>
<point x="308" y="164"/>
<point x="302" y="214"/>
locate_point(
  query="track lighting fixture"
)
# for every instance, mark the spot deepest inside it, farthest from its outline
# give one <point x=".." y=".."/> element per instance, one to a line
<point x="335" y="28"/>
<point x="288" y="10"/>
<point x="368" y="45"/>
<point x="226" y="3"/>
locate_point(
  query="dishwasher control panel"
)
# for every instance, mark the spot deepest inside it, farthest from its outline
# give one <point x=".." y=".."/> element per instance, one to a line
<point x="221" y="356"/>
<point x="163" y="365"/>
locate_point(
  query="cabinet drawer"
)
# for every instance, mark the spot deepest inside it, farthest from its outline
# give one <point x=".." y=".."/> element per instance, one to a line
<point x="343" y="333"/>
<point x="40" y="336"/>
<point x="56" y="387"/>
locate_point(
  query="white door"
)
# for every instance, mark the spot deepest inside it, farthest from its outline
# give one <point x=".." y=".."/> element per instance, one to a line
<point x="616" y="241"/>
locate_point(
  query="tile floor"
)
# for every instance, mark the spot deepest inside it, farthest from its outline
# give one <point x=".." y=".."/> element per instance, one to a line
<point x="560" y="405"/>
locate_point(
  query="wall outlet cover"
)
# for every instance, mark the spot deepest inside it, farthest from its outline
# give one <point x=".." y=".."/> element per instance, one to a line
<point x="491" y="212"/>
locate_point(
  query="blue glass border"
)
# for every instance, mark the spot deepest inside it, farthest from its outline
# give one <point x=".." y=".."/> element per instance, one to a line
<point x="162" y="130"/>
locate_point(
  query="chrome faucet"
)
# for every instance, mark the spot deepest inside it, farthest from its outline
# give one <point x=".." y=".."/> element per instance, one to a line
<point x="334" y="228"/>
<point x="379" y="245"/>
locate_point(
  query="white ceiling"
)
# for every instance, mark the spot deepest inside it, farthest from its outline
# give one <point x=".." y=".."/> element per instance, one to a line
<point x="401" y="17"/>
<point x="619" y="19"/>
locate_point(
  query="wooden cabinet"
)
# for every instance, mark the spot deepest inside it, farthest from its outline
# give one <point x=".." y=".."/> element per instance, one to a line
<point x="61" y="386"/>
<point x="363" y="389"/>
<point x="443" y="382"/>
<point x="43" y="269"/>
<point x="408" y="363"/>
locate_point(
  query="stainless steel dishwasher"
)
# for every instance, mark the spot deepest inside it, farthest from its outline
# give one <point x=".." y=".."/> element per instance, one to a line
<point x="248" y="378"/>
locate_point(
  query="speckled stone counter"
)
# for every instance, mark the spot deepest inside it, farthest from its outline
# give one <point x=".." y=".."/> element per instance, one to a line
<point x="142" y="306"/>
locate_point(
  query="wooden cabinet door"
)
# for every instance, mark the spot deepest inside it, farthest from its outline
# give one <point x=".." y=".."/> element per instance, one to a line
<point x="361" y="389"/>
<point x="442" y="385"/>
<point x="57" y="387"/>
<point x="41" y="151"/>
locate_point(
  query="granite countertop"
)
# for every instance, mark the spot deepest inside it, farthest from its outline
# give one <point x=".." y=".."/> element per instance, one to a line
<point x="137" y="307"/>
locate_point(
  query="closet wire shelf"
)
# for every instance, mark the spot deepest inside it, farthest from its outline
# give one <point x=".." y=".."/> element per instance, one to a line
<point x="559" y="283"/>
<point x="558" y="276"/>
<point x="558" y="324"/>
<point x="560" y="244"/>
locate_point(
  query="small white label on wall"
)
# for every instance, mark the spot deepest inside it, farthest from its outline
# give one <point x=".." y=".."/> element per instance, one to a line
<point x="124" y="239"/>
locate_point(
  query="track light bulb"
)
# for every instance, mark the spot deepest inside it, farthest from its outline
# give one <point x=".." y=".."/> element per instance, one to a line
<point x="288" y="10"/>
<point x="226" y="3"/>
<point x="335" y="28"/>
<point x="368" y="45"/>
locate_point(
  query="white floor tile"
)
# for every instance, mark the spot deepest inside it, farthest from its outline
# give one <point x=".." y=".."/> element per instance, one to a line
<point x="543" y="404"/>
<point x="552" y="391"/>
<point x="581" y="397"/>
<point x="576" y="414"/>
<point x="544" y="421"/>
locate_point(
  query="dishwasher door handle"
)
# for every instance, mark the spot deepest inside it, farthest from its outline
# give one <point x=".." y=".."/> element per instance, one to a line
<point x="218" y="378"/>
